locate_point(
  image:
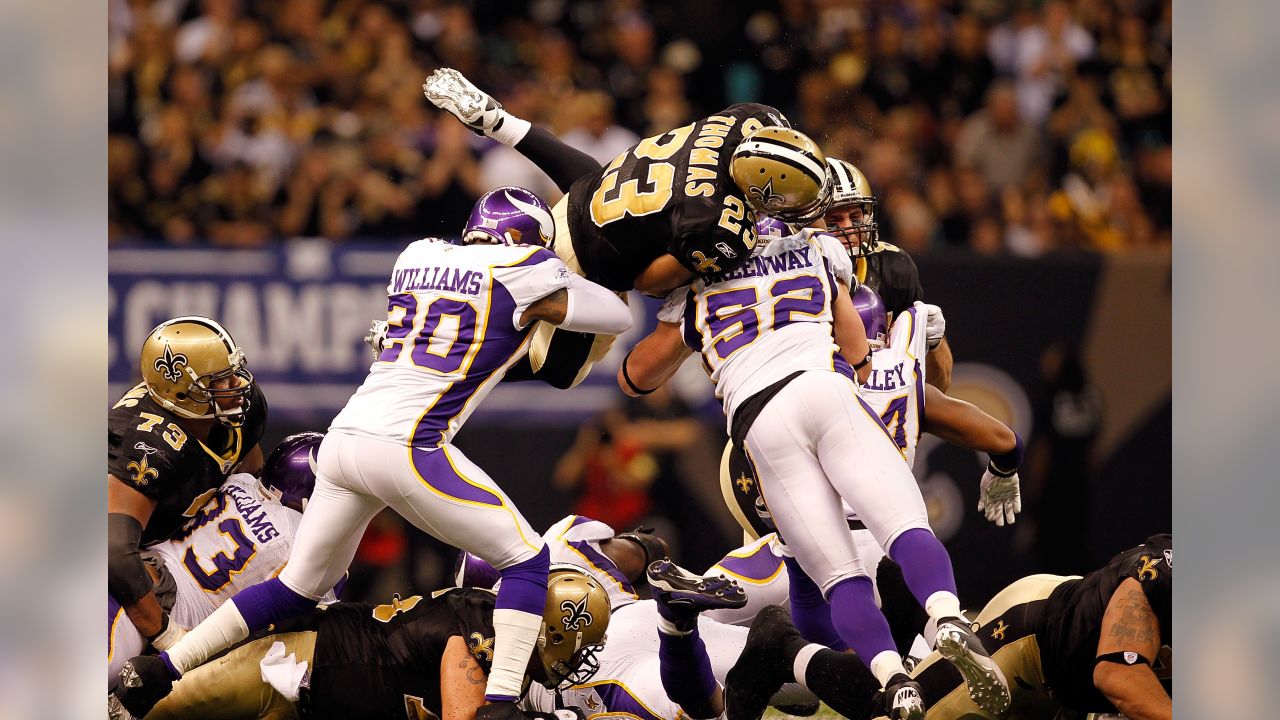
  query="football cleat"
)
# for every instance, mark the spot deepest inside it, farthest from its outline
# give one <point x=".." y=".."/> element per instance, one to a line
<point x="987" y="687"/>
<point x="683" y="594"/>
<point x="448" y="90"/>
<point x="144" y="681"/>
<point x="901" y="700"/>
<point x="763" y="666"/>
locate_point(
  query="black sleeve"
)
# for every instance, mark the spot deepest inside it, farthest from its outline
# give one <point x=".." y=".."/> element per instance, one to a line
<point x="708" y="253"/>
<point x="899" y="281"/>
<point x="143" y="461"/>
<point x="1152" y="566"/>
<point x="561" y="161"/>
<point x="767" y="114"/>
<point x="127" y="578"/>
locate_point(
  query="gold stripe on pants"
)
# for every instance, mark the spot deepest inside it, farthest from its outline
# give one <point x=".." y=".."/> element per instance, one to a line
<point x="1018" y="657"/>
<point x="232" y="688"/>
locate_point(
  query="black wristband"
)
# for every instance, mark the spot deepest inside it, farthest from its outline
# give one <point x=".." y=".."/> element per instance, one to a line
<point x="627" y="377"/>
<point x="164" y="625"/>
<point x="864" y="362"/>
<point x="1127" y="657"/>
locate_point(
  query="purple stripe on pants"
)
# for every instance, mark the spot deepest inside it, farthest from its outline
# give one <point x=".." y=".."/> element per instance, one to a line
<point x="436" y="471"/>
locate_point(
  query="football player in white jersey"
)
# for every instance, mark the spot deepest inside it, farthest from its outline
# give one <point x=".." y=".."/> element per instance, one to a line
<point x="459" y="316"/>
<point x="898" y="393"/>
<point x="774" y="336"/>
<point x="239" y="538"/>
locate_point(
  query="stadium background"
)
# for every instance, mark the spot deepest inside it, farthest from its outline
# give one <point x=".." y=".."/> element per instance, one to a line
<point x="267" y="161"/>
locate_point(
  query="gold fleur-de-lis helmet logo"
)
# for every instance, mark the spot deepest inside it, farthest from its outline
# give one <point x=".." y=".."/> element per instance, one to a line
<point x="576" y="616"/>
<point x="170" y="364"/>
<point x="765" y="196"/>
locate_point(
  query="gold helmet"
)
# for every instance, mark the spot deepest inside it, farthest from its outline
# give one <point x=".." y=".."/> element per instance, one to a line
<point x="182" y="361"/>
<point x="573" y="627"/>
<point x="850" y="192"/>
<point x="783" y="174"/>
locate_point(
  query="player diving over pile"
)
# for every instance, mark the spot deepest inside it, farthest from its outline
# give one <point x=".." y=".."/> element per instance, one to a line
<point x="675" y="206"/>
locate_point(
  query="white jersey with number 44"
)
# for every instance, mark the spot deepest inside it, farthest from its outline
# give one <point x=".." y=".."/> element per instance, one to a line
<point x="895" y="389"/>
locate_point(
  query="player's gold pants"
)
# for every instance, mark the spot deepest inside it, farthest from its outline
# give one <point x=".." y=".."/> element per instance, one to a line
<point x="1004" y="628"/>
<point x="563" y="247"/>
<point x="231" y="687"/>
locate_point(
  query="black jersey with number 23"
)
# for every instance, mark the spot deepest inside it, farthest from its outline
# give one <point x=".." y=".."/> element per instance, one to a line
<point x="671" y="193"/>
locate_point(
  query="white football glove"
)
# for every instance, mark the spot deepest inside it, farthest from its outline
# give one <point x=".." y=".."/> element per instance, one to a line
<point x="999" y="498"/>
<point x="935" y="324"/>
<point x="376" y="338"/>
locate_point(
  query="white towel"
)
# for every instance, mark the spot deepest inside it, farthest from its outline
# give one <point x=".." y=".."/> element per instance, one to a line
<point x="284" y="673"/>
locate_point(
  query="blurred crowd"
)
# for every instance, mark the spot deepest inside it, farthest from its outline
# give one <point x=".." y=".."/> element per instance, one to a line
<point x="1001" y="126"/>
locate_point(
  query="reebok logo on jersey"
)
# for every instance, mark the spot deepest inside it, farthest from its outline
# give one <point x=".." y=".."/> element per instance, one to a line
<point x="725" y="250"/>
<point x="145" y="448"/>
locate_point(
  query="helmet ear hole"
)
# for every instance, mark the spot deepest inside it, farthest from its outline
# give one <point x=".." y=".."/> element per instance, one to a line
<point x="181" y="396"/>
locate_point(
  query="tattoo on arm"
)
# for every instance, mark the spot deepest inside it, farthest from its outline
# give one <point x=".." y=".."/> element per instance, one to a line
<point x="1135" y="626"/>
<point x="551" y="308"/>
<point x="475" y="673"/>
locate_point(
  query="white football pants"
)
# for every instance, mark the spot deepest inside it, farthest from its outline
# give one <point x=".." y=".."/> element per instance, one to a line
<point x="438" y="490"/>
<point x="815" y="443"/>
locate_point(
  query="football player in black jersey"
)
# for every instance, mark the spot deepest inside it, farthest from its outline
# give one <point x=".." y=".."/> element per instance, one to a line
<point x="416" y="657"/>
<point x="675" y="206"/>
<point x="885" y="268"/>
<point x="1102" y="643"/>
<point x="172" y="440"/>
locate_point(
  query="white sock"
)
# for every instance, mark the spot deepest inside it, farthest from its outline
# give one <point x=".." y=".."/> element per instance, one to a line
<point x="222" y="629"/>
<point x="514" y="635"/>
<point x="512" y="129"/>
<point x="942" y="604"/>
<point x="801" y="663"/>
<point x="885" y="665"/>
<point x="666" y="627"/>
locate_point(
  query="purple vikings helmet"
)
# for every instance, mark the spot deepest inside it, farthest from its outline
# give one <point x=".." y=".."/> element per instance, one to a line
<point x="471" y="571"/>
<point x="290" y="470"/>
<point x="770" y="227"/>
<point x="510" y="216"/>
<point x="874" y="318"/>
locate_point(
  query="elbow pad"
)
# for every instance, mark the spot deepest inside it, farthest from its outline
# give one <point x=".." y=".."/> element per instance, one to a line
<point x="591" y="308"/>
<point x="127" y="578"/>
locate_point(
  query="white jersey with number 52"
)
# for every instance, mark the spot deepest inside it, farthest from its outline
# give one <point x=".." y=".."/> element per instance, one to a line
<point x="767" y="319"/>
